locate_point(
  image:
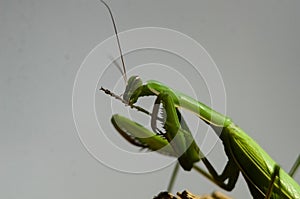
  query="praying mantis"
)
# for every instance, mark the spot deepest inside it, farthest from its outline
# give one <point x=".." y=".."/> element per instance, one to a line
<point x="264" y="177"/>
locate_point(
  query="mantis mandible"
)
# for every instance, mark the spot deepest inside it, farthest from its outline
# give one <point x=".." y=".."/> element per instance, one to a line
<point x="264" y="177"/>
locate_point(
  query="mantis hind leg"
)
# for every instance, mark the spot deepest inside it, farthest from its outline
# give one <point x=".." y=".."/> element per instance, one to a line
<point x="295" y="167"/>
<point x="276" y="174"/>
<point x="272" y="183"/>
<point x="229" y="174"/>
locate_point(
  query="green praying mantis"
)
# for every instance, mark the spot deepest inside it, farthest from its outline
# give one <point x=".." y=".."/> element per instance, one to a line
<point x="264" y="177"/>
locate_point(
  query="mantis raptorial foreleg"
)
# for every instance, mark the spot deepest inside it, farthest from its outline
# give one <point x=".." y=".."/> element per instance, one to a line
<point x="179" y="138"/>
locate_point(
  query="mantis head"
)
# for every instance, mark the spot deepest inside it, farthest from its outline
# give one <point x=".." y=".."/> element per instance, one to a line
<point x="133" y="83"/>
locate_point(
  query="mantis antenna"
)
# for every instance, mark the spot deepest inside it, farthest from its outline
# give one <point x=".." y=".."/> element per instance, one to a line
<point x="118" y="41"/>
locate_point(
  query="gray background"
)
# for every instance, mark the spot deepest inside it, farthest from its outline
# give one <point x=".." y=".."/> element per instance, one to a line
<point x="255" y="45"/>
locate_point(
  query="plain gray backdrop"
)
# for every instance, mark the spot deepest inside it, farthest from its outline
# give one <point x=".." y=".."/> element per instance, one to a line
<point x="255" y="45"/>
